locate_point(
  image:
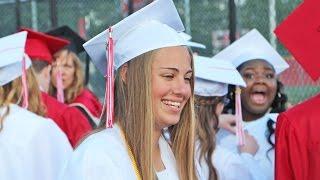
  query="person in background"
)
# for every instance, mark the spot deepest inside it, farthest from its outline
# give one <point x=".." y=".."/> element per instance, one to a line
<point x="297" y="133"/>
<point x="31" y="147"/>
<point x="211" y="87"/>
<point x="259" y="65"/>
<point x="40" y="48"/>
<point x="153" y="90"/>
<point x="68" y="65"/>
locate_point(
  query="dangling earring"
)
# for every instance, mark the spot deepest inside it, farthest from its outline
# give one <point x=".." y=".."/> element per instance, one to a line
<point x="279" y="94"/>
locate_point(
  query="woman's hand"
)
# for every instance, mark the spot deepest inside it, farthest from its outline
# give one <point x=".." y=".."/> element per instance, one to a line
<point x="227" y="122"/>
<point x="251" y="146"/>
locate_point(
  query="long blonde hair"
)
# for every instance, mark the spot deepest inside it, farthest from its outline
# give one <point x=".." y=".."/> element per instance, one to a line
<point x="77" y="85"/>
<point x="11" y="94"/>
<point x="134" y="113"/>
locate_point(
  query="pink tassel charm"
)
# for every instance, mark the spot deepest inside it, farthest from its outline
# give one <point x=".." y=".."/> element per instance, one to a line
<point x="109" y="101"/>
<point x="239" y="127"/>
<point x="25" y="95"/>
<point x="60" y="92"/>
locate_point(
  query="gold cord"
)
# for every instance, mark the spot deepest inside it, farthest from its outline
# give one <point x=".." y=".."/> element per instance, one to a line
<point x="133" y="161"/>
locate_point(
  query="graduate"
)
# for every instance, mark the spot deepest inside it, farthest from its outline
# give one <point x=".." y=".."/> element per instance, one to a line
<point x="153" y="90"/>
<point x="211" y="88"/>
<point x="40" y="48"/>
<point x="297" y="132"/>
<point x="259" y="65"/>
<point x="68" y="65"/>
<point x="31" y="147"/>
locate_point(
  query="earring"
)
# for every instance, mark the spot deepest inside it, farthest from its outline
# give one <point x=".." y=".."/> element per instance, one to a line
<point x="279" y="94"/>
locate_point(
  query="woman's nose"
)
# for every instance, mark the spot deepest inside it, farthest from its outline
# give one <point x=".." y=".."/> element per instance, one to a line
<point x="181" y="87"/>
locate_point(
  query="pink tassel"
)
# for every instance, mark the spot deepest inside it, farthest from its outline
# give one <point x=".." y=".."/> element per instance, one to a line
<point x="25" y="96"/>
<point x="109" y="101"/>
<point x="239" y="127"/>
<point x="60" y="92"/>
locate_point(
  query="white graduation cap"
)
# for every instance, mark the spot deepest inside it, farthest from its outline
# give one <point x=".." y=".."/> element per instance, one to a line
<point x="12" y="52"/>
<point x="152" y="27"/>
<point x="190" y="43"/>
<point x="253" y="46"/>
<point x="214" y="75"/>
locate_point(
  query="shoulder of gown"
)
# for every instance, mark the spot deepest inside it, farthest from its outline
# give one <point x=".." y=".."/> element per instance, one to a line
<point x="33" y="145"/>
<point x="102" y="155"/>
<point x="297" y="141"/>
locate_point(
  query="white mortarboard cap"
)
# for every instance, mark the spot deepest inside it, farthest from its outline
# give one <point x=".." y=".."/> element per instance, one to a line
<point x="190" y="43"/>
<point x="253" y="46"/>
<point x="152" y="27"/>
<point x="214" y="75"/>
<point x="12" y="52"/>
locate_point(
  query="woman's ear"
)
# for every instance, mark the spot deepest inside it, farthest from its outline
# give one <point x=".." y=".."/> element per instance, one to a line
<point x="123" y="72"/>
<point x="219" y="109"/>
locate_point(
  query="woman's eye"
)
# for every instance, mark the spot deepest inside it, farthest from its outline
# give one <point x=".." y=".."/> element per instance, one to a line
<point x="188" y="79"/>
<point x="270" y="76"/>
<point x="67" y="66"/>
<point x="168" y="76"/>
<point x="248" y="76"/>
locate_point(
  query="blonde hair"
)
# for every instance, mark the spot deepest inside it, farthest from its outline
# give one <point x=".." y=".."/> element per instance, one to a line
<point x="183" y="136"/>
<point x="12" y="92"/>
<point x="134" y="113"/>
<point x="77" y="85"/>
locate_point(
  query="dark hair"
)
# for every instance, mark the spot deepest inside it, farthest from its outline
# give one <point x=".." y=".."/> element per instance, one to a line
<point x="278" y="105"/>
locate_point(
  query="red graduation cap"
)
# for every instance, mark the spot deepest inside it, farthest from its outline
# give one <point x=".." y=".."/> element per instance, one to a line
<point x="41" y="46"/>
<point x="300" y="34"/>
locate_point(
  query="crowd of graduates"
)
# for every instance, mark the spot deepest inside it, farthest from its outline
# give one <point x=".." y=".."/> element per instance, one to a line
<point x="168" y="113"/>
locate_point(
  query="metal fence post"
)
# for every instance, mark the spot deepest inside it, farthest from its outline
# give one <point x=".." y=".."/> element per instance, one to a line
<point x="187" y="16"/>
<point x="232" y="21"/>
<point x="272" y="20"/>
<point x="34" y="17"/>
<point x="17" y="9"/>
<point x="53" y="13"/>
<point x="130" y="7"/>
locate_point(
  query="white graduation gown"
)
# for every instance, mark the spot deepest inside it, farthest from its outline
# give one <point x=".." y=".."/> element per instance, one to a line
<point x="104" y="155"/>
<point x="31" y="147"/>
<point x="229" y="165"/>
<point x="258" y="129"/>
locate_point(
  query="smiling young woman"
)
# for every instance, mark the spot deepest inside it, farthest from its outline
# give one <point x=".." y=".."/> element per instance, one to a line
<point x="153" y="90"/>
